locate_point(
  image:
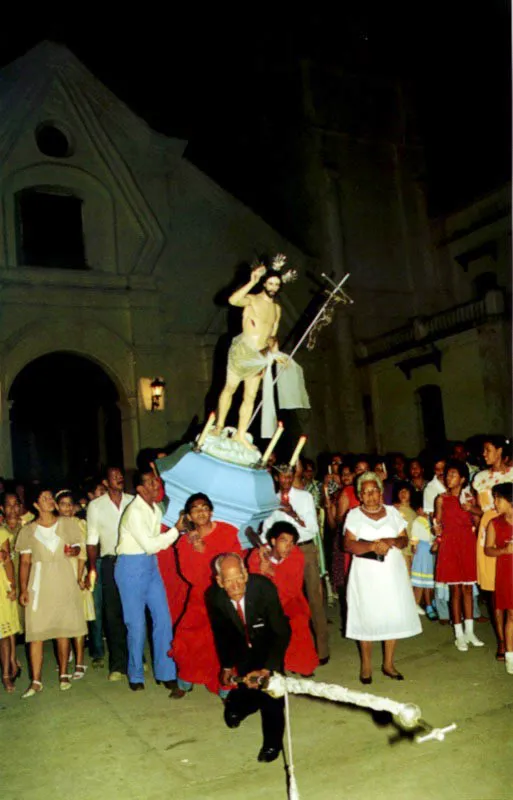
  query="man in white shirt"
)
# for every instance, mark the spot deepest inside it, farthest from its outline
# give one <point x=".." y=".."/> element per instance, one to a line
<point x="103" y="516"/>
<point x="297" y="506"/>
<point x="434" y="487"/>
<point x="139" y="582"/>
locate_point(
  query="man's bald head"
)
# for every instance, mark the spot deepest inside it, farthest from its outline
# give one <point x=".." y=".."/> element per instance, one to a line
<point x="231" y="575"/>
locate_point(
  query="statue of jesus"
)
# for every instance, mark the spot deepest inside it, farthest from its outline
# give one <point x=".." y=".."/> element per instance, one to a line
<point x="247" y="357"/>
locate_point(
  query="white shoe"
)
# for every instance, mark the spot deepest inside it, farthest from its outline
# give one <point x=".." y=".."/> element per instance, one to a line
<point x="471" y="638"/>
<point x="420" y="611"/>
<point x="509" y="663"/>
<point x="461" y="644"/>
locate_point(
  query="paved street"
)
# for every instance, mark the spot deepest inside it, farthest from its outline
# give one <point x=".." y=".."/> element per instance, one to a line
<point x="100" y="741"/>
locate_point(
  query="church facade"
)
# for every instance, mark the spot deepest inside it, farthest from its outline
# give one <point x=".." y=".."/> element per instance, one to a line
<point x="117" y="249"/>
<point x="113" y="247"/>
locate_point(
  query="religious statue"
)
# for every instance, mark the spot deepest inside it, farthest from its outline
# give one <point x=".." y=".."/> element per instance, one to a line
<point x="251" y="352"/>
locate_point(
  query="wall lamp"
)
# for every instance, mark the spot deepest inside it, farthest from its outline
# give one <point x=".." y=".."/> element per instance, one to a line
<point x="157" y="387"/>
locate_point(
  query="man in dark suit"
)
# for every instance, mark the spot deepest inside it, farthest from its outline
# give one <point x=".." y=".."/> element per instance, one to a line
<point x="251" y="633"/>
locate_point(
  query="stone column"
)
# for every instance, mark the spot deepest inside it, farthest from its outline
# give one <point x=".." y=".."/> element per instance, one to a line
<point x="346" y="379"/>
<point x="495" y="352"/>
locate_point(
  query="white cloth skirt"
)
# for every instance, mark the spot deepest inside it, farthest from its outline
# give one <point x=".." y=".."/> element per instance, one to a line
<point x="380" y="602"/>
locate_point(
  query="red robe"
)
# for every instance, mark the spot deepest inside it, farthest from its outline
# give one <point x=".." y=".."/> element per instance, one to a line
<point x="301" y="655"/>
<point x="193" y="644"/>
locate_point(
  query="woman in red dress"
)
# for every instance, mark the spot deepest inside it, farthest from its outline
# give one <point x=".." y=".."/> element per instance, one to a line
<point x="283" y="564"/>
<point x="499" y="545"/>
<point x="193" y="645"/>
<point x="456" y="545"/>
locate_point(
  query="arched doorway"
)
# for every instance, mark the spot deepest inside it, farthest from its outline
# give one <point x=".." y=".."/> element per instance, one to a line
<point x="65" y="419"/>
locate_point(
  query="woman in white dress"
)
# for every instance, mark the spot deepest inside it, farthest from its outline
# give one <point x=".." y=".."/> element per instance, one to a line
<point x="380" y="602"/>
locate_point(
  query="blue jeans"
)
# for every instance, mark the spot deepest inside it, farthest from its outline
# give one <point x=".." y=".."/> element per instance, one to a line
<point x="140" y="587"/>
<point x="96" y="647"/>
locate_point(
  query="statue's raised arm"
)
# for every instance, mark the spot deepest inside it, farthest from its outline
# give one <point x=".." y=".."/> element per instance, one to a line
<point x="248" y="354"/>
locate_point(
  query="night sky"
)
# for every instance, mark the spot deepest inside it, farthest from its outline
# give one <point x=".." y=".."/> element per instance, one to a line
<point x="217" y="80"/>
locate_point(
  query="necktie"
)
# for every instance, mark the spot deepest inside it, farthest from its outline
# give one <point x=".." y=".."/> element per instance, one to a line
<point x="242" y="618"/>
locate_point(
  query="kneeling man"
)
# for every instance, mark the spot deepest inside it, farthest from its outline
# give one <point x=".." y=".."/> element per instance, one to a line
<point x="251" y="633"/>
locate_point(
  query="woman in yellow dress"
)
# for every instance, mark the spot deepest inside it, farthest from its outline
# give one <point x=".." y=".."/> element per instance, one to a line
<point x="497" y="456"/>
<point x="49" y="591"/>
<point x="9" y="531"/>
<point x="9" y="619"/>
<point x="66" y="507"/>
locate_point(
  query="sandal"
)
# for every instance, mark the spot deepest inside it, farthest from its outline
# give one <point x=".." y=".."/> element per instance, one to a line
<point x="80" y="671"/>
<point x="16" y="672"/>
<point x="8" y="684"/>
<point x="431" y="613"/>
<point x="31" y="691"/>
<point x="64" y="682"/>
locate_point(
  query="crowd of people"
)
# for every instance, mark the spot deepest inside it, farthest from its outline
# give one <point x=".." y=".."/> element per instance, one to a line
<point x="395" y="539"/>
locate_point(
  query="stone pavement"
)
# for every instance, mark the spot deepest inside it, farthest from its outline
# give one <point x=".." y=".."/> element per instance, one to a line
<point x="100" y="741"/>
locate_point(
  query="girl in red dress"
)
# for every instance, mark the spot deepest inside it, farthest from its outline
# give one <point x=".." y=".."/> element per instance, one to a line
<point x="193" y="644"/>
<point x="456" y="545"/>
<point x="283" y="564"/>
<point x="499" y="545"/>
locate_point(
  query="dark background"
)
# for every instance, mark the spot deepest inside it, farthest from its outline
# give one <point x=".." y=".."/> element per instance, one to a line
<point x="222" y="81"/>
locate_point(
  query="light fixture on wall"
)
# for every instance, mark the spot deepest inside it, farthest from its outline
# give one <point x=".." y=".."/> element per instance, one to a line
<point x="157" y="387"/>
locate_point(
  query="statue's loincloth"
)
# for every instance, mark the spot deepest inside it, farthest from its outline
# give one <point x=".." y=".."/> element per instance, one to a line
<point x="244" y="361"/>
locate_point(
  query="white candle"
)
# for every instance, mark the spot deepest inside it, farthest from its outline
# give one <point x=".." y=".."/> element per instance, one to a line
<point x="272" y="444"/>
<point x="295" y="455"/>
<point x="208" y="426"/>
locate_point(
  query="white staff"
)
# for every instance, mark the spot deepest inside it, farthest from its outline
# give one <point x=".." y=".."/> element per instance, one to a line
<point x="335" y="291"/>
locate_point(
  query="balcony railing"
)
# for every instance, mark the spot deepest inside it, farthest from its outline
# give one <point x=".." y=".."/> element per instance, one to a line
<point x="423" y="330"/>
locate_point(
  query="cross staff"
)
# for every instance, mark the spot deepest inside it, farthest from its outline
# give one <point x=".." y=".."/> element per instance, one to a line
<point x="336" y="291"/>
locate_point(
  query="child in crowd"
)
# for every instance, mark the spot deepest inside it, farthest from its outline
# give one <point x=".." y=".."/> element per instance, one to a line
<point x="423" y="565"/>
<point x="401" y="499"/>
<point x="456" y="544"/>
<point x="499" y="545"/>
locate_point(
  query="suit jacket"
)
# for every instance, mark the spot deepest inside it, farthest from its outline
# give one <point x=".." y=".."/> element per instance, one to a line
<point x="267" y="626"/>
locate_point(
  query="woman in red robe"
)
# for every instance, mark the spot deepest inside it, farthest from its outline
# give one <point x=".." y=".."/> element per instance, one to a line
<point x="193" y="644"/>
<point x="283" y="564"/>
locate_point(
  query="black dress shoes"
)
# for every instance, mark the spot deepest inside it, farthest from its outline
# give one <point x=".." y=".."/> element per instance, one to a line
<point x="366" y="679"/>
<point x="396" y="676"/>
<point x="324" y="661"/>
<point x="269" y="754"/>
<point x="232" y="720"/>
<point x="136" y="687"/>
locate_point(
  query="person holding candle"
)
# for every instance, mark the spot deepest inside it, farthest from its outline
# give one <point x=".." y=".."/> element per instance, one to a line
<point x="297" y="507"/>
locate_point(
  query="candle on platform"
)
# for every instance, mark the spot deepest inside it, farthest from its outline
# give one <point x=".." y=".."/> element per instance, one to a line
<point x="272" y="444"/>
<point x="295" y="455"/>
<point x="206" y="430"/>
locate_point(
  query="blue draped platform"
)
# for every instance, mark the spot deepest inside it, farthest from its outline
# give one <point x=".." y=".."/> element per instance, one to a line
<point x="242" y="496"/>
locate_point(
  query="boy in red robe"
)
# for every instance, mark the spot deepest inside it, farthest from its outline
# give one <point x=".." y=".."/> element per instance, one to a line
<point x="283" y="564"/>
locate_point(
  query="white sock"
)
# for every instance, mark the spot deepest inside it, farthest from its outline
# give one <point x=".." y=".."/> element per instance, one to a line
<point x="469" y="627"/>
<point x="458" y="630"/>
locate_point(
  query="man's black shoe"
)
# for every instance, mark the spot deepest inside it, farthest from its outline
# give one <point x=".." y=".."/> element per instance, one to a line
<point x="232" y="720"/>
<point x="268" y="754"/>
<point x="136" y="687"/>
<point x="324" y="661"/>
<point x="168" y="684"/>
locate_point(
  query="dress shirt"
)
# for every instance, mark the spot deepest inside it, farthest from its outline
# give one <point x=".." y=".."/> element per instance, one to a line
<point x="304" y="506"/>
<point x="242" y="604"/>
<point x="103" y="518"/>
<point x="431" y="492"/>
<point x="139" y="530"/>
